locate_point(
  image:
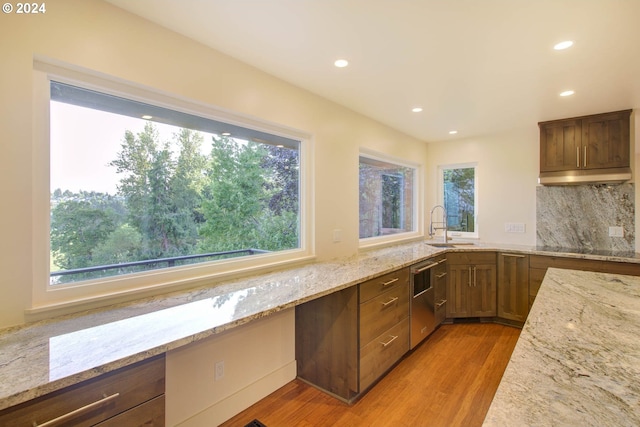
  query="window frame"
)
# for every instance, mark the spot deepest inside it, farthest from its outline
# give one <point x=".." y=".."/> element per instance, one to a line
<point x="417" y="204"/>
<point x="46" y="297"/>
<point x="441" y="168"/>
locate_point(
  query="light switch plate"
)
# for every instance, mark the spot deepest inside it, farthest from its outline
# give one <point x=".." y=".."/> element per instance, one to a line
<point x="514" y="227"/>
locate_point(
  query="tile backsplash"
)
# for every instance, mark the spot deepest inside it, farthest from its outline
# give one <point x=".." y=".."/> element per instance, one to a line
<point x="579" y="217"/>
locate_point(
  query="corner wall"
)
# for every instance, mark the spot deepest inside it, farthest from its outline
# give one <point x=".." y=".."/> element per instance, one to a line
<point x="507" y="176"/>
<point x="104" y="39"/>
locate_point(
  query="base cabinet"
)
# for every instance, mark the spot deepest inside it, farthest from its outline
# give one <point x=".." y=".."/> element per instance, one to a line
<point x="471" y="288"/>
<point x="538" y="265"/>
<point x="347" y="340"/>
<point x="513" y="286"/>
<point x="129" y="396"/>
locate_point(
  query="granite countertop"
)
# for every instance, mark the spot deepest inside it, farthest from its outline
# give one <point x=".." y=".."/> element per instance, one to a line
<point x="41" y="357"/>
<point x="577" y="361"/>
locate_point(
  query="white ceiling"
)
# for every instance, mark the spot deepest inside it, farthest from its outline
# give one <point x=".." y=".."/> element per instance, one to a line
<point x="476" y="66"/>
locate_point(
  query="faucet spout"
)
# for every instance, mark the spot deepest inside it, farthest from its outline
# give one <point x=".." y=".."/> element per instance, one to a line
<point x="438" y="225"/>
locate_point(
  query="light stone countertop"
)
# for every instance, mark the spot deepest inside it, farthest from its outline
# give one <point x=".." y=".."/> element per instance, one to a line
<point x="577" y="361"/>
<point x="41" y="357"/>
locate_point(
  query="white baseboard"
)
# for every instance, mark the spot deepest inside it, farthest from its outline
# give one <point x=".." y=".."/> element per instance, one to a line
<point x="244" y="398"/>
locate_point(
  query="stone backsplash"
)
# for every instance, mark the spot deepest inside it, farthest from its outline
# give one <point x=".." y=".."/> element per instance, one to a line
<point x="579" y="217"/>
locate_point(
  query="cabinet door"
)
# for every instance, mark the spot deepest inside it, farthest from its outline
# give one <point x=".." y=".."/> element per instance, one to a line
<point x="560" y="145"/>
<point x="513" y="286"/>
<point x="483" y="291"/>
<point x="458" y="290"/>
<point x="605" y="140"/>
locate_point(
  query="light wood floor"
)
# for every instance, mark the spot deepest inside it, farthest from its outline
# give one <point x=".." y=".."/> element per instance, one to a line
<point x="449" y="380"/>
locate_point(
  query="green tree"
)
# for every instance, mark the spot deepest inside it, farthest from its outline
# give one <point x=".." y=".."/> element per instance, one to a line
<point x="186" y="187"/>
<point x="122" y="245"/>
<point x="77" y="229"/>
<point x="252" y="197"/>
<point x="163" y="194"/>
<point x="236" y="195"/>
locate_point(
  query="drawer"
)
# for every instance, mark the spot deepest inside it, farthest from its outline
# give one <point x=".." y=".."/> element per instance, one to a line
<point x="541" y="261"/>
<point x="124" y="388"/>
<point x="380" y="354"/>
<point x="381" y="313"/>
<point x="471" y="257"/>
<point x="149" y="414"/>
<point x="374" y="287"/>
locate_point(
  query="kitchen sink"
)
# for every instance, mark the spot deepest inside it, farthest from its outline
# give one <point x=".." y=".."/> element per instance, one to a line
<point x="451" y="245"/>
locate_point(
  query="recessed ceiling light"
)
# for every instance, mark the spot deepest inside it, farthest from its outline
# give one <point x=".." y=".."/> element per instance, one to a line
<point x="225" y="134"/>
<point x="147" y="117"/>
<point x="453" y="132"/>
<point x="563" y="45"/>
<point x="416" y="109"/>
<point x="341" y="63"/>
<point x="567" y="93"/>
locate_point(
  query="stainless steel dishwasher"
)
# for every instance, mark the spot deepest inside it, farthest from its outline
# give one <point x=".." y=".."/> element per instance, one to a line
<point x="422" y="314"/>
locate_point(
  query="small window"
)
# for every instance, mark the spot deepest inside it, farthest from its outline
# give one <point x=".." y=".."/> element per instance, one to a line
<point x="137" y="187"/>
<point x="459" y="199"/>
<point x="387" y="201"/>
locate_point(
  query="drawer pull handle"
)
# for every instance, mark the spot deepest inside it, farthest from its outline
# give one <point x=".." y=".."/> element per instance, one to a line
<point x="390" y="282"/>
<point x="441" y="303"/>
<point x="393" y="338"/>
<point x="441" y="275"/>
<point x="77" y="412"/>
<point x="391" y="301"/>
<point x="513" y="255"/>
<point x="420" y="270"/>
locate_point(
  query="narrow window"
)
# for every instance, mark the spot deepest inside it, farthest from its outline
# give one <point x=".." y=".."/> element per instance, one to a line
<point x="459" y="197"/>
<point x="137" y="187"/>
<point x="387" y="204"/>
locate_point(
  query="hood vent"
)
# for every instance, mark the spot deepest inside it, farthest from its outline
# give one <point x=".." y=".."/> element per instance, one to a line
<point x="591" y="176"/>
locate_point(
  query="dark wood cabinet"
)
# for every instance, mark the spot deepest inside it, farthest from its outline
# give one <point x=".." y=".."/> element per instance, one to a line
<point x="513" y="286"/>
<point x="605" y="140"/>
<point x="131" y="396"/>
<point x="600" y="141"/>
<point x="348" y="339"/>
<point x="472" y="287"/>
<point x="560" y="145"/>
<point x="538" y="265"/>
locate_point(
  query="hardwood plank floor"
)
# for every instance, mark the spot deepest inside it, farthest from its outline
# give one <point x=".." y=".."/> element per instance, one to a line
<point x="448" y="380"/>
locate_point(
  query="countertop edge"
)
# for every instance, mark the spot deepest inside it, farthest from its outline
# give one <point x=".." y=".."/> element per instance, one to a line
<point x="369" y="255"/>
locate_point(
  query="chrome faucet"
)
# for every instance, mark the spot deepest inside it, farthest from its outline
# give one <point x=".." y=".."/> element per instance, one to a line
<point x="439" y="225"/>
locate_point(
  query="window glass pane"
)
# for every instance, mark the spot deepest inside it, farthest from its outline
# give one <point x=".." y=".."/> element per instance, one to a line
<point x="136" y="187"/>
<point x="459" y="198"/>
<point x="386" y="198"/>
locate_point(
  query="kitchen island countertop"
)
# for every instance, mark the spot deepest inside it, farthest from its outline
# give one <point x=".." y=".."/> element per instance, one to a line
<point x="577" y="361"/>
<point x="44" y="356"/>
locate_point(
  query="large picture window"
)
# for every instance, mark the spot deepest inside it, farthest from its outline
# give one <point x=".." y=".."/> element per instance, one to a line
<point x="137" y="187"/>
<point x="387" y="197"/>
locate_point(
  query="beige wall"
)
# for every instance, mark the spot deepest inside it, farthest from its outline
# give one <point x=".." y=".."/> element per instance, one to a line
<point x="258" y="358"/>
<point x="99" y="37"/>
<point x="507" y="174"/>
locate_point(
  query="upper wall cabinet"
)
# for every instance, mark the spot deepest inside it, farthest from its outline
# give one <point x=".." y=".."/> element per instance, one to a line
<point x="586" y="149"/>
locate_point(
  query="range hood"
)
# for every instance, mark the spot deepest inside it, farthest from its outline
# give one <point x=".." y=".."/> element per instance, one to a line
<point x="585" y="176"/>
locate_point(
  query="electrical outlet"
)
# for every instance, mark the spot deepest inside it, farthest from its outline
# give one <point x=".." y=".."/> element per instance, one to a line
<point x="616" y="232"/>
<point x="219" y="370"/>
